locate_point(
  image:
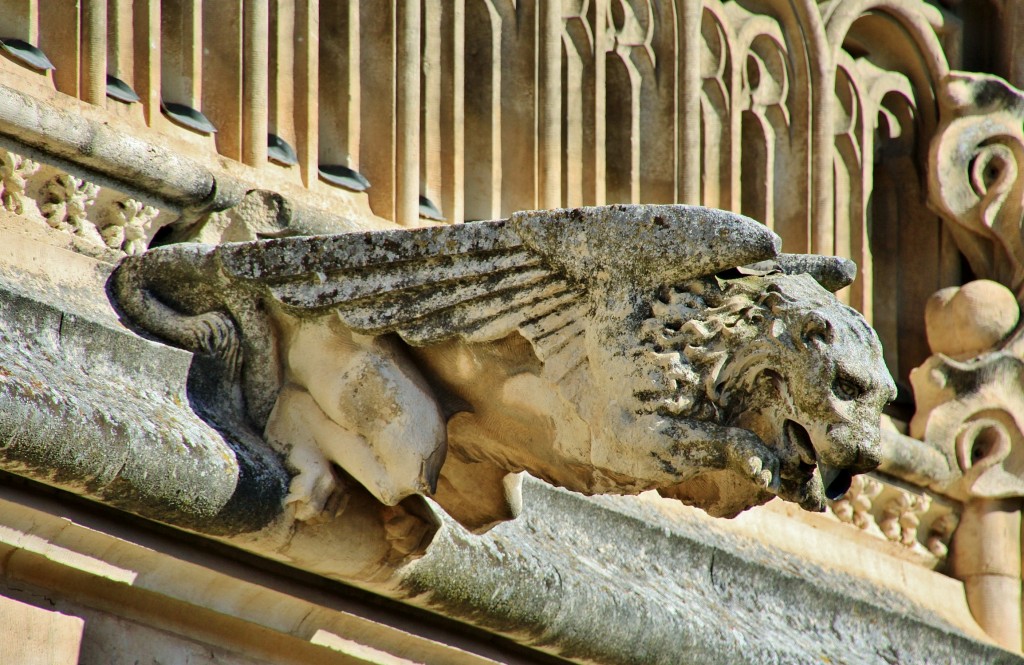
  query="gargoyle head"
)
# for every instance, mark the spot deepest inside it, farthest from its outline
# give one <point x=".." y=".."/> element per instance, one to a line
<point x="779" y="355"/>
<point x="834" y="384"/>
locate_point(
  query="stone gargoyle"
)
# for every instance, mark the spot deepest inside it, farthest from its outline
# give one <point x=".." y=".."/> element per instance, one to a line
<point x="606" y="350"/>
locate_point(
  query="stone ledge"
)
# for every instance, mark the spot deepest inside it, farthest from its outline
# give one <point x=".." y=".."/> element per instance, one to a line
<point x="126" y="580"/>
<point x="620" y="580"/>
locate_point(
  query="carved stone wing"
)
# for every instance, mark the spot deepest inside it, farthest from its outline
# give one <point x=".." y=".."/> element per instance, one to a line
<point x="483" y="280"/>
<point x="537" y="272"/>
<point x="477" y="280"/>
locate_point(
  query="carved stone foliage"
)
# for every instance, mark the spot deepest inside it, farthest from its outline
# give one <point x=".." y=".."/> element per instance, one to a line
<point x="15" y="171"/>
<point x="920" y="523"/>
<point x="65" y="199"/>
<point x="99" y="217"/>
<point x="603" y="350"/>
<point x="128" y="226"/>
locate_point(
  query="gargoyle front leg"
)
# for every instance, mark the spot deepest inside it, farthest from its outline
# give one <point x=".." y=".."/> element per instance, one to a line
<point x="372" y="414"/>
<point x="718" y="447"/>
<point x="665" y="450"/>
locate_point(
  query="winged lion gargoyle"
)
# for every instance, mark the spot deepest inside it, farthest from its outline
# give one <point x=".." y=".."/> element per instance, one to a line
<point x="615" y="349"/>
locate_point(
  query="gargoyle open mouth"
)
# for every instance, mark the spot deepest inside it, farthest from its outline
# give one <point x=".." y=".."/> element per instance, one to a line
<point x="797" y="438"/>
<point x="834" y="482"/>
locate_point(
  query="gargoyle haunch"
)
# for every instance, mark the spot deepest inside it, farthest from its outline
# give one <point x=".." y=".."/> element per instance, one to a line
<point x="605" y="350"/>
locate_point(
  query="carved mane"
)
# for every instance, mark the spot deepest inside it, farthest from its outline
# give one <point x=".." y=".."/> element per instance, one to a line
<point x="713" y="336"/>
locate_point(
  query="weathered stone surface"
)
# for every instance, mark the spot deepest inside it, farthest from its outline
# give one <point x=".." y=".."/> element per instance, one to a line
<point x="90" y="407"/>
<point x="687" y="595"/>
<point x="34" y="636"/>
<point x="810" y="120"/>
<point x="602" y="349"/>
<point x="639" y="589"/>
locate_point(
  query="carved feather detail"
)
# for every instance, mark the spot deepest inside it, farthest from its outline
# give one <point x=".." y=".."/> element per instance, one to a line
<point x="475" y="281"/>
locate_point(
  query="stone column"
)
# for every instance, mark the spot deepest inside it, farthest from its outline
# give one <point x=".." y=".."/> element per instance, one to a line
<point x="407" y="115"/>
<point x="987" y="557"/>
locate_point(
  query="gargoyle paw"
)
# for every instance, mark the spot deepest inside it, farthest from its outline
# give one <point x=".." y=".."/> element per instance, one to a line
<point x="310" y="492"/>
<point x="756" y="461"/>
<point x="213" y="333"/>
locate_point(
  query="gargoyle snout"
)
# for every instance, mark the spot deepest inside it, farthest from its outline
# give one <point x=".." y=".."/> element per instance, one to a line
<point x="863" y="456"/>
<point x="837" y="480"/>
<point x="869" y="456"/>
<point x="849" y="446"/>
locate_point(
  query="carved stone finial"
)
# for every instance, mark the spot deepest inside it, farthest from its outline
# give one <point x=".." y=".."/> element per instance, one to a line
<point x="965" y="321"/>
<point x="970" y="407"/>
<point x="614" y="349"/>
<point x="968" y="395"/>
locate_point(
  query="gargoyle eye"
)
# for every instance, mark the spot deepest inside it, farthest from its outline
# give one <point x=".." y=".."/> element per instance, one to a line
<point x="847" y="389"/>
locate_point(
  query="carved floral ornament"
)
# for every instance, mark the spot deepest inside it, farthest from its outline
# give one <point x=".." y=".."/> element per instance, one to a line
<point x="605" y="350"/>
<point x="101" y="217"/>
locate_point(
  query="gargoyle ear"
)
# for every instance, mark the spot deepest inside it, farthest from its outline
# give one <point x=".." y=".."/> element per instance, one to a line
<point x="832" y="272"/>
<point x="816" y="327"/>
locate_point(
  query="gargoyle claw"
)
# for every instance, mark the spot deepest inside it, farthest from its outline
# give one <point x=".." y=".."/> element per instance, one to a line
<point x="212" y="333"/>
<point x="759" y="463"/>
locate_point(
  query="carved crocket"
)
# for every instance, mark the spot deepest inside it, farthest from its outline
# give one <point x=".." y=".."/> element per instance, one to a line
<point x="615" y="349"/>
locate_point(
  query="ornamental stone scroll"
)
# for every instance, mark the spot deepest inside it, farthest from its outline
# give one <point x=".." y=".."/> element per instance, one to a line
<point x="968" y="394"/>
<point x="974" y="173"/>
<point x="605" y="350"/>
